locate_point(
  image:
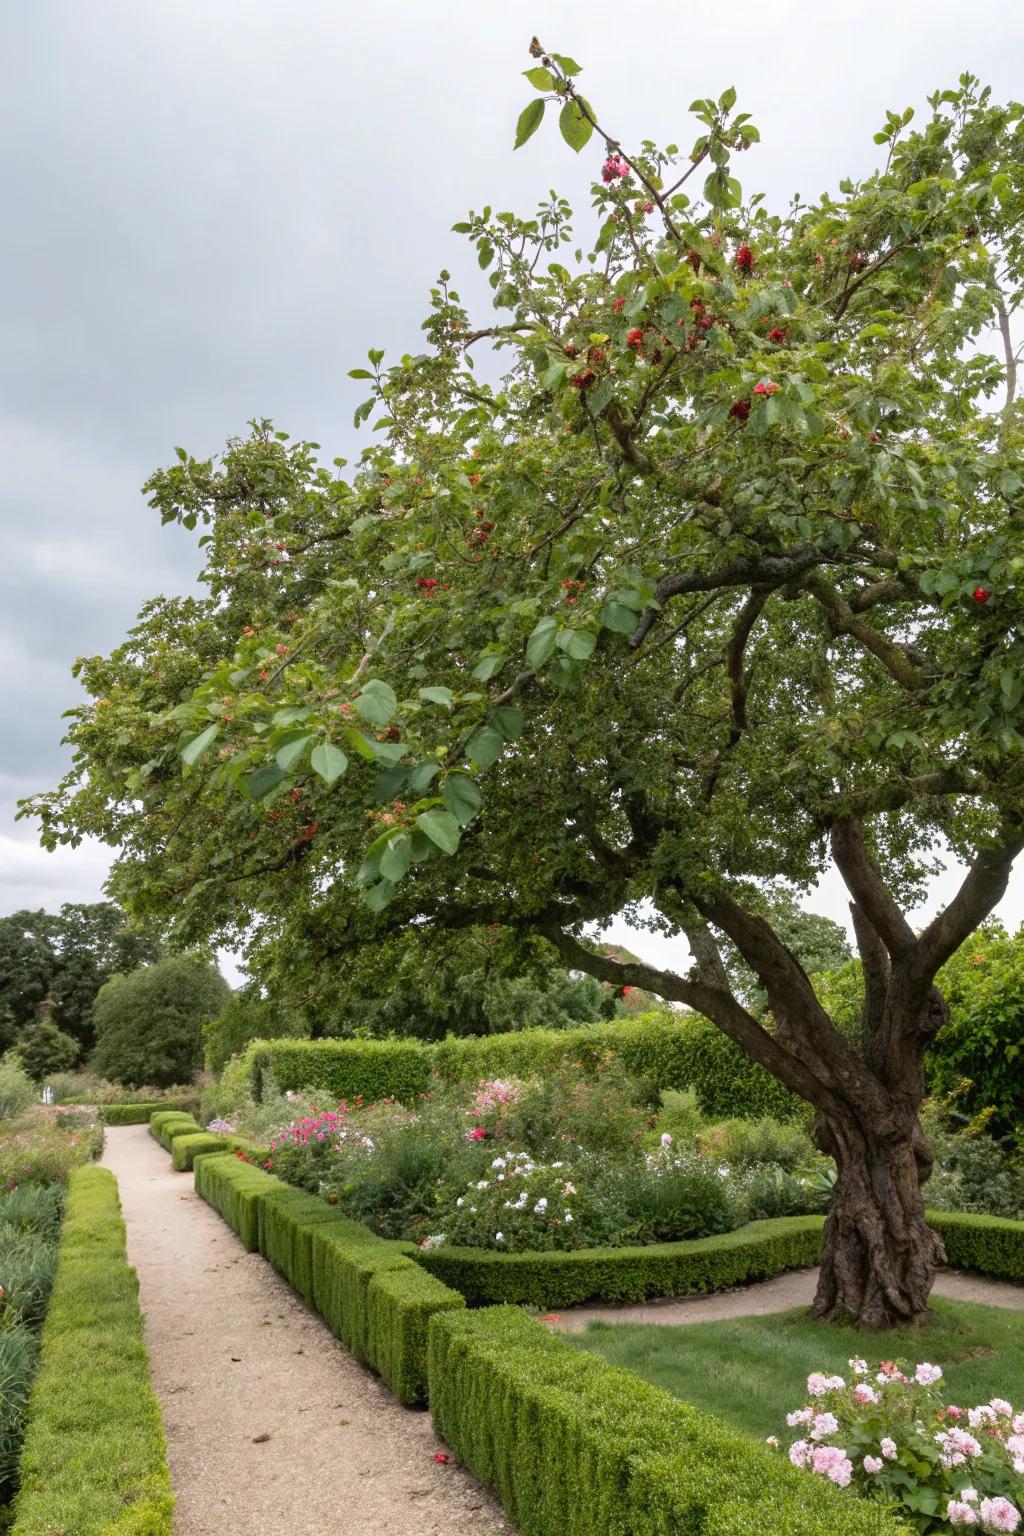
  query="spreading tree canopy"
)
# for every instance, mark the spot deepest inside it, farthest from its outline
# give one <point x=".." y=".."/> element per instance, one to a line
<point x="716" y="585"/>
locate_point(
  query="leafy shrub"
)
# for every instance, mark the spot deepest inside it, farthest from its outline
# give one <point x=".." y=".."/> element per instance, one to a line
<point x="890" y="1436"/>
<point x="765" y="1190"/>
<point x="17" y="1090"/>
<point x="43" y="1048"/>
<point x="92" y="1393"/>
<point x="679" y="1115"/>
<point x="149" y="1023"/>
<point x="973" y="1171"/>
<point x="86" y="1088"/>
<point x="520" y="1205"/>
<point x="673" y="1196"/>
<point x="984" y="1039"/>
<point x="741" y="1142"/>
<point x="19" y="1350"/>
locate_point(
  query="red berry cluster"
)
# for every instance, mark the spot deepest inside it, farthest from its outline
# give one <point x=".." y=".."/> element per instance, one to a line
<point x="778" y="334"/>
<point x="426" y="583"/>
<point x="981" y="595"/>
<point x="584" y="379"/>
<point x="766" y="387"/>
<point x="635" y="339"/>
<point x="740" y="409"/>
<point x="745" y="259"/>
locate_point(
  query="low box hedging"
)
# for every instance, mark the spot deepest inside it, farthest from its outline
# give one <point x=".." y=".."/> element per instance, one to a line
<point x="988" y="1244"/>
<point x="573" y="1446"/>
<point x="94" y="1459"/>
<point x="167" y="1123"/>
<point x="754" y="1252"/>
<point x="400" y="1304"/>
<point x="186" y="1147"/>
<point x="684" y="1052"/>
<point x="139" y="1114"/>
<point x="287" y="1220"/>
<point x="234" y="1189"/>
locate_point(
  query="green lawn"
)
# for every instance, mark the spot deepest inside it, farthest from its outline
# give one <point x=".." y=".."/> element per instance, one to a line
<point x="753" y="1370"/>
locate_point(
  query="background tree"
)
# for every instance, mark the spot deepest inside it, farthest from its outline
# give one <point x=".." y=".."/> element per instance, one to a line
<point x="149" y="1023"/>
<point x="718" y="587"/>
<point x="65" y="957"/>
<point x="44" y="1048"/>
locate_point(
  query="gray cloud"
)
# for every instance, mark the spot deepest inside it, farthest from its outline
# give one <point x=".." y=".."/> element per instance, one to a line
<point x="212" y="211"/>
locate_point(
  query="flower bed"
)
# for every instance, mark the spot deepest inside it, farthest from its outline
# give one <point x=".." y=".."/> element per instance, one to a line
<point x="890" y="1435"/>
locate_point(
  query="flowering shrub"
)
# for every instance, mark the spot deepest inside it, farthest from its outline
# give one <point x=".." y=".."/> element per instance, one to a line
<point x="889" y="1435"/>
<point x="520" y="1205"/>
<point x="38" y="1148"/>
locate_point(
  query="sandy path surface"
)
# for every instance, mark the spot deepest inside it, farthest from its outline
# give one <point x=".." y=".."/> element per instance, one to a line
<point x="794" y="1289"/>
<point x="236" y="1354"/>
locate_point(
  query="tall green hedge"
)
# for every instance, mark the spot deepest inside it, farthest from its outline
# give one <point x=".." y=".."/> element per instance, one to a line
<point x="573" y="1446"/>
<point x="754" y="1252"/>
<point x="989" y="1245"/>
<point x="139" y="1114"/>
<point x="94" y="1461"/>
<point x="683" y="1052"/>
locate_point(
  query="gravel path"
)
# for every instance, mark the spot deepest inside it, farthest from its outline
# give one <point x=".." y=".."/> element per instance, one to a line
<point x="793" y="1289"/>
<point x="272" y="1428"/>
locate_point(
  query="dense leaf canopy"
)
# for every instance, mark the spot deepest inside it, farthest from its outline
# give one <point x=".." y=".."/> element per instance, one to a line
<point x="718" y="581"/>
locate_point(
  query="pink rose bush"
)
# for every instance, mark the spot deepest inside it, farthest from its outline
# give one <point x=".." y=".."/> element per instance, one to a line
<point x="889" y="1435"/>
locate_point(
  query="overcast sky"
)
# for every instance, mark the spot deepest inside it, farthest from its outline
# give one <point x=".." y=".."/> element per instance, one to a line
<point x="211" y="211"/>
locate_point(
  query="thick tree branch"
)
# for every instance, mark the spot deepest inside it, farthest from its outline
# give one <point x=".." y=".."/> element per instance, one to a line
<point x="869" y="890"/>
<point x="983" y="888"/>
<point x="765" y="570"/>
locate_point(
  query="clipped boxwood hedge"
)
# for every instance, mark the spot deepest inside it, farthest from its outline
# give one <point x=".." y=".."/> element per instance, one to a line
<point x="94" y="1460"/>
<point x="989" y="1245"/>
<point x="754" y="1252"/>
<point x="186" y="1146"/>
<point x="683" y="1052"/>
<point x="573" y="1446"/>
<point x="234" y="1189"/>
<point x="168" y="1123"/>
<point x="139" y="1114"/>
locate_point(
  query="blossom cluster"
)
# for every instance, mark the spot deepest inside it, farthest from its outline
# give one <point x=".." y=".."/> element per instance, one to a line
<point x="889" y="1434"/>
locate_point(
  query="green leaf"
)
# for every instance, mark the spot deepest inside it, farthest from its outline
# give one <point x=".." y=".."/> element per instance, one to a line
<point x="540" y="79"/>
<point x="727" y="100"/>
<point x="379" y="896"/>
<point x="485" y="746"/>
<point x="360" y="373"/>
<point x="193" y="750"/>
<point x="576" y="129"/>
<point x="264" y="781"/>
<point x="361" y="745"/>
<point x="509" y="720"/>
<point x="542" y="642"/>
<point x="376" y="702"/>
<point x="552" y="377"/>
<point x="396" y="858"/>
<point x="577" y="643"/>
<point x="617" y="617"/>
<point x="489" y="663"/>
<point x="292" y="748"/>
<point x="329" y="762"/>
<point x="442" y="829"/>
<point x="462" y="797"/>
<point x="567" y="65"/>
<point x="422" y="777"/>
<point x="442" y="696"/>
<point x="530" y="120"/>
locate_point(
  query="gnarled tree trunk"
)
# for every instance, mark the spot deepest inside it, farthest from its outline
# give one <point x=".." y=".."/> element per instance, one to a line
<point x="879" y="1256"/>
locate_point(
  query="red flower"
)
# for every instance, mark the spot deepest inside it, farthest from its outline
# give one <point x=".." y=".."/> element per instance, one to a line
<point x="740" y="409"/>
<point x="694" y="259"/>
<point x="619" y="305"/>
<point x="778" y="335"/>
<point x="981" y="595"/>
<point x="635" y="338"/>
<point x="614" y="167"/>
<point x="745" y="259"/>
<point x="766" y="388"/>
<point x="442" y="1458"/>
<point x="584" y="380"/>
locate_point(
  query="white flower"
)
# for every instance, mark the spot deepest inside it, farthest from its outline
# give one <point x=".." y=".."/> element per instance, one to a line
<point x="772" y="1440"/>
<point x="483" y="1184"/>
<point x="568" y="1216"/>
<point x="541" y="1206"/>
<point x="499" y="1237"/>
<point x="499" y="1162"/>
<point x="1001" y="1406"/>
<point x="858" y="1367"/>
<point x="927" y="1374"/>
<point x="799" y="1416"/>
<point x="461" y="1200"/>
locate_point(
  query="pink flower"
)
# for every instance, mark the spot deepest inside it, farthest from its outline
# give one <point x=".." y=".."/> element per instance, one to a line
<point x="999" y="1515"/>
<point x="953" y="1412"/>
<point x="800" y="1453"/>
<point x="476" y="1134"/>
<point x="864" y="1394"/>
<point x="958" y="1513"/>
<point x="831" y="1462"/>
<point x="888" y="1449"/>
<point x="799" y="1416"/>
<point x="614" y="167"/>
<point x="1001" y="1406"/>
<point x="926" y="1374"/>
<point x="825" y="1424"/>
<point x="873" y="1464"/>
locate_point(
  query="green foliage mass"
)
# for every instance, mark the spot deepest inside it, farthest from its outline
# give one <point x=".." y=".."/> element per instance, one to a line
<point x="46" y="1049"/>
<point x="149" y="1023"/>
<point x="65" y="957"/>
<point x="246" y="1016"/>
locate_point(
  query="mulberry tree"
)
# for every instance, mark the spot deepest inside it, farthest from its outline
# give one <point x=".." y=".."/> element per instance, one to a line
<point x="709" y="580"/>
